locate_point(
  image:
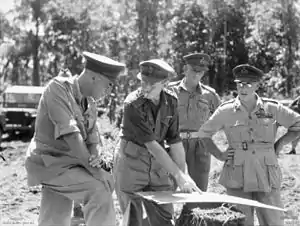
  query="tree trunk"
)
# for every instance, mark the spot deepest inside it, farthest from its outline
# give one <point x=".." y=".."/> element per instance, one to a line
<point x="36" y="44"/>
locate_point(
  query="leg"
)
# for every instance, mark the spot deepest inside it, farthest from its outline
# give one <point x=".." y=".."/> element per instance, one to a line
<point x="127" y="181"/>
<point x="77" y="184"/>
<point x="247" y="210"/>
<point x="55" y="209"/>
<point x="198" y="162"/>
<point x="159" y="214"/>
<point x="268" y="217"/>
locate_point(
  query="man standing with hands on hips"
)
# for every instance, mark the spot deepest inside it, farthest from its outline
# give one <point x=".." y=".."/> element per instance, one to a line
<point x="250" y="122"/>
<point x="64" y="155"/>
<point x="142" y="162"/>
<point x="196" y="103"/>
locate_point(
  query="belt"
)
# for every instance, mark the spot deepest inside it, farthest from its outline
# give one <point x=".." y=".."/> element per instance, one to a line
<point x="246" y="146"/>
<point x="189" y="135"/>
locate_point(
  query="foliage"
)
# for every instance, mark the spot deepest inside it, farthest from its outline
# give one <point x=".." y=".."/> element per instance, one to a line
<point x="47" y="35"/>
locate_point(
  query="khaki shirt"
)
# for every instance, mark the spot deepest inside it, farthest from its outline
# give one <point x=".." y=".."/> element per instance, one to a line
<point x="252" y="136"/>
<point x="143" y="121"/>
<point x="194" y="108"/>
<point x="62" y="110"/>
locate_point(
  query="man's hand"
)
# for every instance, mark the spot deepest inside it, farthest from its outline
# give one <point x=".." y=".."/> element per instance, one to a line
<point x="95" y="160"/>
<point x="186" y="183"/>
<point x="227" y="155"/>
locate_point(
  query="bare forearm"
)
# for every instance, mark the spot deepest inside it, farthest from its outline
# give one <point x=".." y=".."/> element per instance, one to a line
<point x="163" y="158"/>
<point x="177" y="154"/>
<point x="212" y="147"/>
<point x="288" y="137"/>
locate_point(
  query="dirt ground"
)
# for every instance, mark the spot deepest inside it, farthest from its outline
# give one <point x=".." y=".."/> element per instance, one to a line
<point x="19" y="204"/>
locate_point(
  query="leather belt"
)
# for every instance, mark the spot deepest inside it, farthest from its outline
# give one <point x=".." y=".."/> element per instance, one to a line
<point x="189" y="135"/>
<point x="250" y="146"/>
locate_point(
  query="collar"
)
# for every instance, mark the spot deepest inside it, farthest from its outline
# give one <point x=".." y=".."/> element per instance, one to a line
<point x="77" y="94"/>
<point x="183" y="86"/>
<point x="238" y="105"/>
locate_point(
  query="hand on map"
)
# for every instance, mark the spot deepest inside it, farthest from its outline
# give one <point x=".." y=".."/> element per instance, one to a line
<point x="186" y="184"/>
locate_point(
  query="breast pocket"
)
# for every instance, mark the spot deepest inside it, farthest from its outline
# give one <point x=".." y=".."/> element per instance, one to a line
<point x="201" y="110"/>
<point x="265" y="129"/>
<point x="164" y="126"/>
<point x="238" y="132"/>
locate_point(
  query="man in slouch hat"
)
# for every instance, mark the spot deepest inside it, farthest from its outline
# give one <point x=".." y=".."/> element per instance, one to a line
<point x="142" y="161"/>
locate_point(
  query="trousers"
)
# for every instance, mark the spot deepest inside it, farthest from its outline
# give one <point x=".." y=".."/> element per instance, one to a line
<point x="76" y="184"/>
<point x="266" y="217"/>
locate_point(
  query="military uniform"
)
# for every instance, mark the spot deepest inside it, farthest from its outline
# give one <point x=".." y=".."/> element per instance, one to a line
<point x="295" y="105"/>
<point x="135" y="168"/>
<point x="194" y="109"/>
<point x="50" y="162"/>
<point x="254" y="172"/>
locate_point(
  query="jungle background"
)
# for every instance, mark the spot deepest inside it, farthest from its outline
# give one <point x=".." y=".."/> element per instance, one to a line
<point x="39" y="37"/>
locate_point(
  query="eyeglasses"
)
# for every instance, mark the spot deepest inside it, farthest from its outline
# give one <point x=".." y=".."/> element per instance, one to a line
<point x="244" y="84"/>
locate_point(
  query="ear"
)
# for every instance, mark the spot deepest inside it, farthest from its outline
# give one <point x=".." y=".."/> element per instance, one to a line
<point x="185" y="68"/>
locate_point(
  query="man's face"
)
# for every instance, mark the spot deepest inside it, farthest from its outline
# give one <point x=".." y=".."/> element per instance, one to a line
<point x="194" y="73"/>
<point x="152" y="90"/>
<point x="246" y="90"/>
<point x="101" y="87"/>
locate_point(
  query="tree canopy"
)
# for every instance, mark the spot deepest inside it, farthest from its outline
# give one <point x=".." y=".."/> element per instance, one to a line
<point x="39" y="37"/>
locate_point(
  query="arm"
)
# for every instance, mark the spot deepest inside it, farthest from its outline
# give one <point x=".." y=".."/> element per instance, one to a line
<point x="165" y="160"/>
<point x="177" y="154"/>
<point x="290" y="120"/>
<point x="209" y="128"/>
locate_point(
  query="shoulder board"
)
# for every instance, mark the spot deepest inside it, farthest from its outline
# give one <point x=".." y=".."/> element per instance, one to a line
<point x="269" y="100"/>
<point x="174" y="83"/>
<point x="171" y="93"/>
<point x="208" y="88"/>
<point x="231" y="101"/>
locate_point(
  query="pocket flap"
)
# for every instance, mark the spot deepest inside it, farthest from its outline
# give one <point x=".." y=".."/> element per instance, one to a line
<point x="166" y="121"/>
<point x="239" y="158"/>
<point x="271" y="160"/>
<point x="131" y="149"/>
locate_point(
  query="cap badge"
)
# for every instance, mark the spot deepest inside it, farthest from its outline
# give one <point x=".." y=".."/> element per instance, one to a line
<point x="244" y="71"/>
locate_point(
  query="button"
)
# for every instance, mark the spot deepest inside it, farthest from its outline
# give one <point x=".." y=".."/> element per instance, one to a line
<point x="251" y="129"/>
<point x="250" y="117"/>
<point x="253" y="152"/>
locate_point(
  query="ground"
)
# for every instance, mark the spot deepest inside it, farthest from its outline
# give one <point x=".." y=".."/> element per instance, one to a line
<point x="19" y="205"/>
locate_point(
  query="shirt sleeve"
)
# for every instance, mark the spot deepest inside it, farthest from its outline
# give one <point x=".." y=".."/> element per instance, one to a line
<point x="216" y="101"/>
<point x="60" y="110"/>
<point x="173" y="135"/>
<point x="288" y="118"/>
<point x="137" y="125"/>
<point x="213" y="124"/>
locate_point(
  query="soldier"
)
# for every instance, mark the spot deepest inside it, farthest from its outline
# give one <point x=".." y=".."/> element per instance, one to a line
<point x="141" y="160"/>
<point x="196" y="102"/>
<point x="295" y="105"/>
<point x="63" y="155"/>
<point x="250" y="123"/>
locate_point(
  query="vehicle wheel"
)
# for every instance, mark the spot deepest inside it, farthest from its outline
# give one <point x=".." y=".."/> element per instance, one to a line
<point x="31" y="132"/>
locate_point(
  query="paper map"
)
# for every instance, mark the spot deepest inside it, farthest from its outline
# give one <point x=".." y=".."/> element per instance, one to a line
<point x="164" y="197"/>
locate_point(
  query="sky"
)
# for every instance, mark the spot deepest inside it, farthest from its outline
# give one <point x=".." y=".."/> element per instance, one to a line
<point x="6" y="5"/>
